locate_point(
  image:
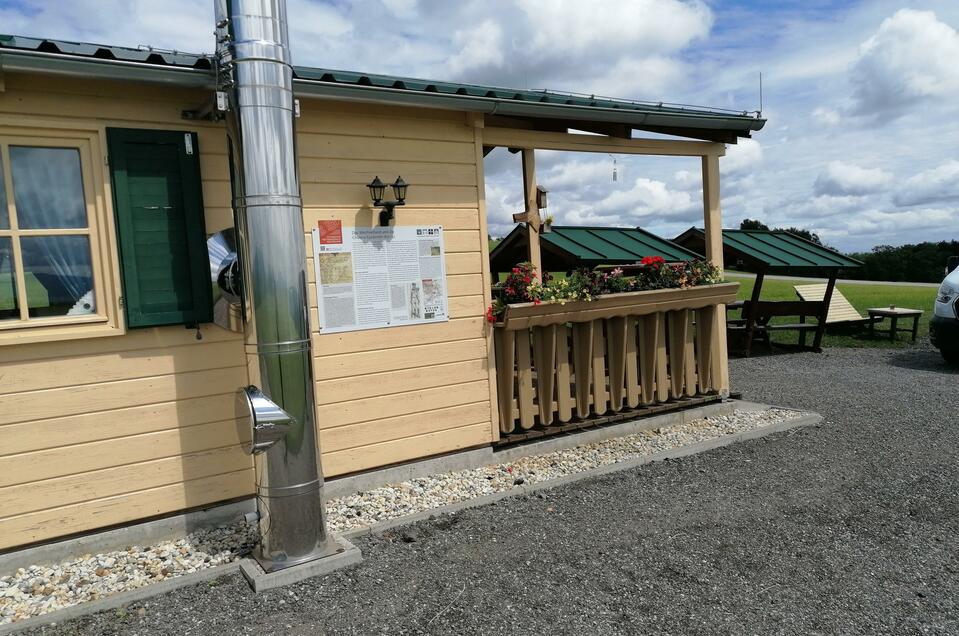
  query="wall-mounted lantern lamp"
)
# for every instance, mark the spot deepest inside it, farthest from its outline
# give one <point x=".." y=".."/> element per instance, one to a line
<point x="378" y="191"/>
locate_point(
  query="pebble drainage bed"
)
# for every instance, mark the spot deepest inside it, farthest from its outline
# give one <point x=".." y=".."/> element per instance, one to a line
<point x="44" y="588"/>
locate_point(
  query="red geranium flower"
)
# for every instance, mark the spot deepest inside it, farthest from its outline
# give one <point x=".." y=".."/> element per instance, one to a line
<point x="654" y="261"/>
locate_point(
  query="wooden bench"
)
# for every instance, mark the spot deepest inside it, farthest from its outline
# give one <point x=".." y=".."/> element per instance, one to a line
<point x="757" y="317"/>
<point x="841" y="311"/>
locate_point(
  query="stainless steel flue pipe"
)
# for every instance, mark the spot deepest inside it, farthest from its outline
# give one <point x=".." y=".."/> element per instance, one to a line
<point x="254" y="72"/>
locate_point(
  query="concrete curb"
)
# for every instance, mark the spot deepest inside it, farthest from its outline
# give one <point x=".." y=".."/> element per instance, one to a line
<point x="347" y="555"/>
<point x="528" y="489"/>
<point x="166" y="529"/>
<point x="123" y="598"/>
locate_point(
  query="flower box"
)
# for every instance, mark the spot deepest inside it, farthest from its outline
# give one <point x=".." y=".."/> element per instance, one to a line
<point x="525" y="315"/>
<point x="558" y="363"/>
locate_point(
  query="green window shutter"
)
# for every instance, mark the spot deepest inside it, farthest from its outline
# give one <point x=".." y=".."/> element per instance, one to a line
<point x="162" y="236"/>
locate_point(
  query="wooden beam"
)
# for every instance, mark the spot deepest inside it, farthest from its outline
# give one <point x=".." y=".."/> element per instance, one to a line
<point x="721" y="136"/>
<point x="532" y="139"/>
<point x="824" y="314"/>
<point x="532" y="212"/>
<point x="712" y="214"/>
<point x="559" y="125"/>
<point x="620" y="131"/>
<point x="713" y="217"/>
<point x="487" y="277"/>
<point x="749" y="311"/>
<point x="552" y="125"/>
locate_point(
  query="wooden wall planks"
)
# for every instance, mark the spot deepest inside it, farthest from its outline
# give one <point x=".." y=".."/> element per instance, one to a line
<point x="109" y="430"/>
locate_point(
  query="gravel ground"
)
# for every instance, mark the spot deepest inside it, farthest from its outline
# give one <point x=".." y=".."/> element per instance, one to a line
<point x="849" y="527"/>
<point x="40" y="589"/>
<point x="418" y="495"/>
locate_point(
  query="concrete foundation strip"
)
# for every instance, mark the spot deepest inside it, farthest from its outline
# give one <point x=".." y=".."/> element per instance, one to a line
<point x="139" y="594"/>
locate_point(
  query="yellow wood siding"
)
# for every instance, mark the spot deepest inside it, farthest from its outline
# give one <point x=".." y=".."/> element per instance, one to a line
<point x="100" y="431"/>
<point x="389" y="395"/>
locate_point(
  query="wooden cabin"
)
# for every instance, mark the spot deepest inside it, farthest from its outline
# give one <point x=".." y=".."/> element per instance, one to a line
<point x="116" y="389"/>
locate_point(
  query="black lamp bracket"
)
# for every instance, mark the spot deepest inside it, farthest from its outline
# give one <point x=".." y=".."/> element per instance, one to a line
<point x="386" y="214"/>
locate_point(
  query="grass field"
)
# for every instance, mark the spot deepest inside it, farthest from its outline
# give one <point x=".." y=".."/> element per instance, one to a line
<point x="862" y="297"/>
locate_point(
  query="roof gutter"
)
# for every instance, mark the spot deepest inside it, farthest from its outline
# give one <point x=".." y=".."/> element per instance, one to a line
<point x="16" y="60"/>
<point x="62" y="64"/>
<point x="492" y="105"/>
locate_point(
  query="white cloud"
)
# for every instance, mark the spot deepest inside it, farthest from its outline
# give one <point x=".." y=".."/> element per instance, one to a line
<point x="400" y="8"/>
<point x="826" y="116"/>
<point x="567" y="27"/>
<point x="638" y="78"/>
<point x="741" y="157"/>
<point x="573" y="175"/>
<point x="479" y="46"/>
<point x="846" y="179"/>
<point x="825" y="207"/>
<point x="878" y="222"/>
<point x="184" y="25"/>
<point x="646" y="199"/>
<point x="911" y="58"/>
<point x="932" y="186"/>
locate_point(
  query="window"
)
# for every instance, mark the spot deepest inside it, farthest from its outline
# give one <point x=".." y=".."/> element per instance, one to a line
<point x="51" y="271"/>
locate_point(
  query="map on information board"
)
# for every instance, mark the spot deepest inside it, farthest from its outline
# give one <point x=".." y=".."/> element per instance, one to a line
<point x="373" y="277"/>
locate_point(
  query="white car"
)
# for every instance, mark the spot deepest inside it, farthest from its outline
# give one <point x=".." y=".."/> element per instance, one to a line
<point x="944" y="328"/>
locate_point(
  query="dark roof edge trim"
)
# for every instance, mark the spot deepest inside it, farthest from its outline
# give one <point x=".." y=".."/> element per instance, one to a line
<point x="496" y="106"/>
<point x="71" y="65"/>
<point x="13" y="60"/>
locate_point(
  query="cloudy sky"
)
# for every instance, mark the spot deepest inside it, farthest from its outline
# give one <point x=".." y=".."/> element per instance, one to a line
<point x="862" y="98"/>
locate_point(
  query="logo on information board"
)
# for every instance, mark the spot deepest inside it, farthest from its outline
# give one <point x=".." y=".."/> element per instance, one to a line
<point x="331" y="232"/>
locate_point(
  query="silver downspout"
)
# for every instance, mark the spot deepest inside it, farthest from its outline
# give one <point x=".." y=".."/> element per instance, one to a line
<point x="256" y="75"/>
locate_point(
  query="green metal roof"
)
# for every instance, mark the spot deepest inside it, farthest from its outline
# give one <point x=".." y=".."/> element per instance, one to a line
<point x="570" y="247"/>
<point x="614" y="245"/>
<point x="773" y="249"/>
<point x="145" y="54"/>
<point x="19" y="53"/>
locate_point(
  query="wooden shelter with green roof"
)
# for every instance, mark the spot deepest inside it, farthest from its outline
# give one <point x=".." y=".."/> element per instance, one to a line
<point x="566" y="248"/>
<point x="762" y="251"/>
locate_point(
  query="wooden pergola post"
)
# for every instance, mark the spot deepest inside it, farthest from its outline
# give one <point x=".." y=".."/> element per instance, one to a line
<point x="530" y="215"/>
<point x="712" y="214"/>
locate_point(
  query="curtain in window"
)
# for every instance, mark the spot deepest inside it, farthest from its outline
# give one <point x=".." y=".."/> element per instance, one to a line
<point x="48" y="193"/>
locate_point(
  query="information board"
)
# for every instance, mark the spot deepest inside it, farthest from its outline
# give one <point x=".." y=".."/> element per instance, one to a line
<point x="373" y="277"/>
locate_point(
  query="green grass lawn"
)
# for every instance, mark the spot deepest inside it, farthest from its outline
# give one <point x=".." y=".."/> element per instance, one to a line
<point x="862" y="297"/>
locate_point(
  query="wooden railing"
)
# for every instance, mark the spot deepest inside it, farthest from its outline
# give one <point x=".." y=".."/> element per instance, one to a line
<point x="560" y="363"/>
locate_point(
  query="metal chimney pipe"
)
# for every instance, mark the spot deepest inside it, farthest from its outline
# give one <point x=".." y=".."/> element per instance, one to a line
<point x="257" y="78"/>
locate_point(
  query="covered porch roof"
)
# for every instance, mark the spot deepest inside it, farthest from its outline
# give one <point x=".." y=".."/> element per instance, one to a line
<point x="565" y="248"/>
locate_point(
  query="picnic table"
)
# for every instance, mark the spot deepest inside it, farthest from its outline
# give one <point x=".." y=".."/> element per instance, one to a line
<point x="877" y="314"/>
